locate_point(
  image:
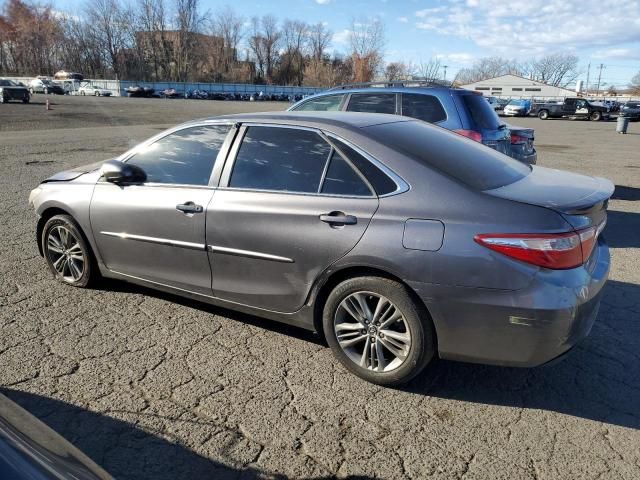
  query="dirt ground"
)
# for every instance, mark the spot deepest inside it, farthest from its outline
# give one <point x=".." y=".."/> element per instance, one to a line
<point x="153" y="386"/>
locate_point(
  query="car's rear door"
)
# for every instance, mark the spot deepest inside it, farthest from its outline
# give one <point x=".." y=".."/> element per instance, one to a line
<point x="288" y="206"/>
<point x="156" y="230"/>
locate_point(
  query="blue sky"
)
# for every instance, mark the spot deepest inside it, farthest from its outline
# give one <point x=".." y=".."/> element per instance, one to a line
<point x="459" y="31"/>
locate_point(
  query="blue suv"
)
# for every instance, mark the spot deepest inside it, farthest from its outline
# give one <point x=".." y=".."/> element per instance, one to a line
<point x="463" y="111"/>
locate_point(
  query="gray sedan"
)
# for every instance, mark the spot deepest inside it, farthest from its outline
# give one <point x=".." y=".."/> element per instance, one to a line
<point x="396" y="240"/>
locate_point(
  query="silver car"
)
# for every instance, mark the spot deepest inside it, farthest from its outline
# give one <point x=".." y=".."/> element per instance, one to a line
<point x="397" y="240"/>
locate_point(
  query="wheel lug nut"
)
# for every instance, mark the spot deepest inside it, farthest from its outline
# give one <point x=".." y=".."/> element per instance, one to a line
<point x="382" y="335"/>
<point x="363" y="331"/>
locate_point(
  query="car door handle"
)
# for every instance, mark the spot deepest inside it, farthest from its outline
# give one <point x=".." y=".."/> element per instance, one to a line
<point x="338" y="218"/>
<point x="189" y="207"/>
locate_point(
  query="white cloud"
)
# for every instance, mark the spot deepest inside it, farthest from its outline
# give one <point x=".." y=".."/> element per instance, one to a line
<point x="623" y="53"/>
<point x="403" y="19"/>
<point x="535" y="26"/>
<point x="460" y="58"/>
<point x="342" y="37"/>
<point x="323" y="2"/>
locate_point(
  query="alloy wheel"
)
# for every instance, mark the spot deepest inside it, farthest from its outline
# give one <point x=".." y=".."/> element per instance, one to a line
<point x="372" y="331"/>
<point x="65" y="253"/>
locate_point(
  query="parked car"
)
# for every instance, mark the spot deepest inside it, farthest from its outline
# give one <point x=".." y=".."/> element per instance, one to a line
<point x="571" y="108"/>
<point x="138" y="91"/>
<point x="10" y="90"/>
<point x="42" y="85"/>
<point x="30" y="450"/>
<point x="94" y="90"/>
<point x="336" y="222"/>
<point x="517" y="108"/>
<point x="171" y="93"/>
<point x="631" y="110"/>
<point x="462" y="111"/>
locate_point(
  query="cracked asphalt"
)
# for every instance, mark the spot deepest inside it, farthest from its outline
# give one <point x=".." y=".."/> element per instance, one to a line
<point x="152" y="386"/>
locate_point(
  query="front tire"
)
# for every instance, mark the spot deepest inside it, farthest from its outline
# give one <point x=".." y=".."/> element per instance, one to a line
<point x="595" y="116"/>
<point x="68" y="255"/>
<point x="377" y="331"/>
<point x="543" y="114"/>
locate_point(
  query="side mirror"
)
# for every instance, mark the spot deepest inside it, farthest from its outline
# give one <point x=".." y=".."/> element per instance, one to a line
<point x="115" y="171"/>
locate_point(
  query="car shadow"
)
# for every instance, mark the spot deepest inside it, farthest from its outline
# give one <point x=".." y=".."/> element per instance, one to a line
<point x="623" y="192"/>
<point x="271" y="325"/>
<point x="599" y="380"/>
<point x="128" y="452"/>
<point x="623" y="229"/>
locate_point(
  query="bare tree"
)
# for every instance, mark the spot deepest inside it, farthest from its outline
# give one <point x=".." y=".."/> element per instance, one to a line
<point x="398" y="71"/>
<point x="367" y="41"/>
<point x="264" y="43"/>
<point x="292" y="61"/>
<point x="489" y="67"/>
<point x="319" y="39"/>
<point x="430" y="69"/>
<point x="107" y="20"/>
<point x="558" y="69"/>
<point x="189" y="21"/>
<point x="229" y="27"/>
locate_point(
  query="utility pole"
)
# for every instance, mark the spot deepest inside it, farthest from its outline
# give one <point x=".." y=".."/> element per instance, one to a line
<point x="599" y="76"/>
<point x="588" y="71"/>
<point x="445" y="71"/>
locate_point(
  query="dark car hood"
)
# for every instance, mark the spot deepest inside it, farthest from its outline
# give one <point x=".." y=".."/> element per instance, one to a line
<point x="30" y="450"/>
<point x="556" y="189"/>
<point x="68" y="175"/>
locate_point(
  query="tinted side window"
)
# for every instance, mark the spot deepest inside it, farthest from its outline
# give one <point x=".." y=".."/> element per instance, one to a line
<point x="423" y="107"/>
<point x="272" y="158"/>
<point x="321" y="104"/>
<point x="372" y="103"/>
<point x="341" y="179"/>
<point x="380" y="181"/>
<point x="183" y="157"/>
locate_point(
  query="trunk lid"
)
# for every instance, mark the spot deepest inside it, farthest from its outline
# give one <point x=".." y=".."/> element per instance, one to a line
<point x="582" y="200"/>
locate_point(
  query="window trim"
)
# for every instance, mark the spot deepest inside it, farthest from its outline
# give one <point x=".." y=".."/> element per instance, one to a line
<point x="218" y="164"/>
<point x="401" y="110"/>
<point x="233" y="155"/>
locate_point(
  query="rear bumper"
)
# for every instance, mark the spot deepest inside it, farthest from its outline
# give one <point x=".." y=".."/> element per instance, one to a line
<point x="520" y="328"/>
<point x="523" y="154"/>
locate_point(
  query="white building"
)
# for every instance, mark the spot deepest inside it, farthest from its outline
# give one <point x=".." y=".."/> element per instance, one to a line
<point x="513" y="86"/>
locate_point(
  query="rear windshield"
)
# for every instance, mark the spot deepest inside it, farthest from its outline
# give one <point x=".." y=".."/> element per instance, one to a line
<point x="469" y="162"/>
<point x="482" y="113"/>
<point x="632" y="105"/>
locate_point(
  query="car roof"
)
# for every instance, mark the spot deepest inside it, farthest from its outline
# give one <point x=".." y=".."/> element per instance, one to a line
<point x="348" y="120"/>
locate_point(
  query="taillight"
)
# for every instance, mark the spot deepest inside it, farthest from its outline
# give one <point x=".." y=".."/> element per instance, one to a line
<point x="518" y="139"/>
<point x="556" y="250"/>
<point x="472" y="134"/>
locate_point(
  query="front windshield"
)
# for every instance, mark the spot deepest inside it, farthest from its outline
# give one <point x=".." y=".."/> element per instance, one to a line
<point x="7" y="83"/>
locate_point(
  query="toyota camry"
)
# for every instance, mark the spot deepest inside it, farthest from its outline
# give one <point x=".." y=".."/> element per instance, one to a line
<point x="396" y="240"/>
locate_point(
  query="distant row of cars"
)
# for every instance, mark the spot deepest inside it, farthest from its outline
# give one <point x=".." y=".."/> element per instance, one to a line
<point x="572" y="107"/>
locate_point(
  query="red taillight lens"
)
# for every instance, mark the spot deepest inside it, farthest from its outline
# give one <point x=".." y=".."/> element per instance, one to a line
<point x="472" y="134"/>
<point x="518" y="139"/>
<point x="556" y="251"/>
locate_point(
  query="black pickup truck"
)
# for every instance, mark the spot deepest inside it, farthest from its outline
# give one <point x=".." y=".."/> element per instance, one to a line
<point x="570" y="108"/>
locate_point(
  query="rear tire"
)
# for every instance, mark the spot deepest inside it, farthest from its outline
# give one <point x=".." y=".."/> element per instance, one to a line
<point x="595" y="116"/>
<point x="25" y="99"/>
<point x="67" y="253"/>
<point x="543" y="114"/>
<point x="387" y="348"/>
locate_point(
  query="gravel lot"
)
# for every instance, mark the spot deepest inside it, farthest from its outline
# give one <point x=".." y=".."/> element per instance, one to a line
<point x="154" y="386"/>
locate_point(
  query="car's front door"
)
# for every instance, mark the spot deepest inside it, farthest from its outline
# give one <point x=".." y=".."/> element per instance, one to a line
<point x="156" y="230"/>
<point x="289" y="205"/>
